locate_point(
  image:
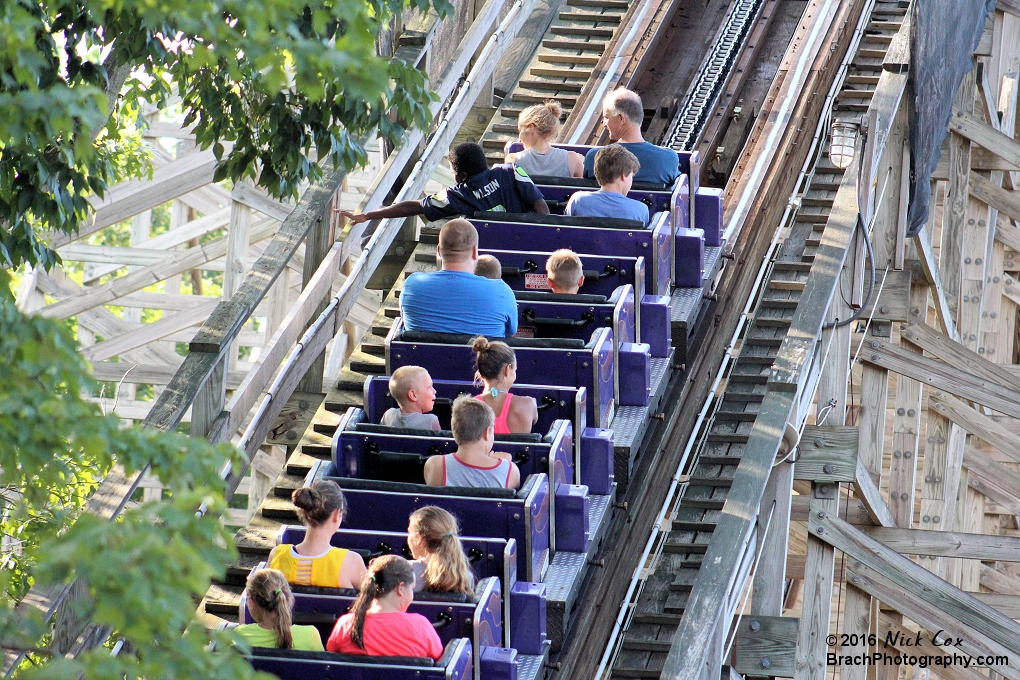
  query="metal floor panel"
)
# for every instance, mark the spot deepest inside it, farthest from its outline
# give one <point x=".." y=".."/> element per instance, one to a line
<point x="532" y="666"/>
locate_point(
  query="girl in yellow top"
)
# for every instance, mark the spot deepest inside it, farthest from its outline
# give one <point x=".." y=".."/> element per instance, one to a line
<point x="313" y="561"/>
<point x="270" y="602"/>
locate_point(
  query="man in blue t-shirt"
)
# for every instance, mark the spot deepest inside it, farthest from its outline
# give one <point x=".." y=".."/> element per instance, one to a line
<point x="615" y="168"/>
<point x="504" y="188"/>
<point x="622" y="116"/>
<point x="454" y="299"/>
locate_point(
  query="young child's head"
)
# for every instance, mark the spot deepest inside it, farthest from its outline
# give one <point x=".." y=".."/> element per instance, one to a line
<point x="466" y="161"/>
<point x="495" y="363"/>
<point x="432" y="535"/>
<point x="539" y="122"/>
<point x="320" y="504"/>
<point x="473" y="421"/>
<point x="489" y="267"/>
<point x="412" y="387"/>
<point x="615" y="168"/>
<point x="389" y="576"/>
<point x="270" y="602"/>
<point x="564" y="271"/>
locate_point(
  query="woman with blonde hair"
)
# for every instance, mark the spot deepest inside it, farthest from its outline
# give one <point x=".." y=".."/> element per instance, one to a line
<point x="270" y="602"/>
<point x="440" y="565"/>
<point x="537" y="127"/>
<point x="378" y="623"/>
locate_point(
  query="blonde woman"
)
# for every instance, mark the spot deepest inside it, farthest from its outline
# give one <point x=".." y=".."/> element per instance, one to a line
<point x="440" y="565"/>
<point x="538" y="126"/>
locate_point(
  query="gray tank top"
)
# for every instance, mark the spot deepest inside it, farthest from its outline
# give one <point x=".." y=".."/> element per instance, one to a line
<point x="554" y="163"/>
<point x="456" y="473"/>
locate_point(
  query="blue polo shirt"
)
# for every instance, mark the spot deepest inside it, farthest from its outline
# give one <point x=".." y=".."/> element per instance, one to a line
<point x="458" y="302"/>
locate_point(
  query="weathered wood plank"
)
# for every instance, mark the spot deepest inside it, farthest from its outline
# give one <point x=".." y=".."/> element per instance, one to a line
<point x="827" y="454"/>
<point x="936" y="374"/>
<point x="175" y="263"/>
<point x="149" y="332"/>
<point x="766" y="637"/>
<point x="977" y="423"/>
<point x="947" y="543"/>
<point x="918" y="593"/>
<point x="942" y="347"/>
<point x="981" y="133"/>
<point x="868" y="493"/>
<point x="930" y="265"/>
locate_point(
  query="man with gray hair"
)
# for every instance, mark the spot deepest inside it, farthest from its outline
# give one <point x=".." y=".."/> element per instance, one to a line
<point x="622" y="116"/>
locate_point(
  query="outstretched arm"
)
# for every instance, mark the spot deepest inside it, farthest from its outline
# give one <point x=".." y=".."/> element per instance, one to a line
<point x="402" y="209"/>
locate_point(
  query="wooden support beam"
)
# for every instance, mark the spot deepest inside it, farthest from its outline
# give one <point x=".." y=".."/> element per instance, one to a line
<point x="827" y="454"/>
<point x="947" y="543"/>
<point x="919" y="594"/>
<point x="1006" y="202"/>
<point x="908" y="642"/>
<point x="247" y="194"/>
<point x="929" y="264"/>
<point x="981" y="133"/>
<point x="942" y="347"/>
<point x="130" y="198"/>
<point x="993" y="479"/>
<point x="175" y="263"/>
<point x="959" y="381"/>
<point x="766" y="637"/>
<point x="162" y="242"/>
<point x="149" y="332"/>
<point x="868" y="493"/>
<point x="104" y="322"/>
<point x="977" y="423"/>
<point x="147" y="374"/>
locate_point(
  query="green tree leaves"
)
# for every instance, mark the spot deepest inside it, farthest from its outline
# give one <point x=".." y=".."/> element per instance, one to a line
<point x="144" y="572"/>
<point x="288" y="84"/>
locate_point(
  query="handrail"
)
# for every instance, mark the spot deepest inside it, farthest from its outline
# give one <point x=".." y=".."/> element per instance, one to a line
<point x="325" y="327"/>
<point x="210" y="344"/>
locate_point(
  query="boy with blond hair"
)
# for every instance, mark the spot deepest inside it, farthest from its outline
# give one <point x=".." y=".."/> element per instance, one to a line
<point x="563" y="269"/>
<point x="489" y="267"/>
<point x="412" y="387"/>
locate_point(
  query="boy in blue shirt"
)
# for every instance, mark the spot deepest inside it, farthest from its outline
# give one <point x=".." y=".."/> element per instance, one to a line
<point x="614" y="169"/>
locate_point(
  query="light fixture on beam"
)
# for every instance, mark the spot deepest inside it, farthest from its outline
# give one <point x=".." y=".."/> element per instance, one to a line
<point x="843" y="143"/>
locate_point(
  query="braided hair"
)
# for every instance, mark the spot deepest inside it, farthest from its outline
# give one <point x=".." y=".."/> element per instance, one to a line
<point x="270" y="592"/>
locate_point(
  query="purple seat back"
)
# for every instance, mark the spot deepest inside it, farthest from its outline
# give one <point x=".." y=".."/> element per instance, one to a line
<point x="591" y="367"/>
<point x="525" y="518"/>
<point x="554" y="403"/>
<point x="481" y="620"/>
<point x="289" y="664"/>
<point x="525" y="270"/>
<point x="487" y="556"/>
<point x="399" y="456"/>
<point x="654" y="243"/>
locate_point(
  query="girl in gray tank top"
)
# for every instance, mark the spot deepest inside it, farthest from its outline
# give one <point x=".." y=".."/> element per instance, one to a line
<point x="538" y="126"/>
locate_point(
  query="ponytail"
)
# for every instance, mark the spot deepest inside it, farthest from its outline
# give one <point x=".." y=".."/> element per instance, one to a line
<point x="384" y="575"/>
<point x="446" y="566"/>
<point x="270" y="592"/>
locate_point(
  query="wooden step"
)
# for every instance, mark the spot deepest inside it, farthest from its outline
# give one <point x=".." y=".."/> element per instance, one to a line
<point x="586" y="31"/>
<point x="727" y="438"/>
<point x="553" y="85"/>
<point x="582" y="45"/>
<point x="528" y="96"/>
<point x="561" y="58"/>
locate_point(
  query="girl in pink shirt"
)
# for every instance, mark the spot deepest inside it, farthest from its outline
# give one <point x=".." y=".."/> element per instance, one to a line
<point x="378" y="624"/>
